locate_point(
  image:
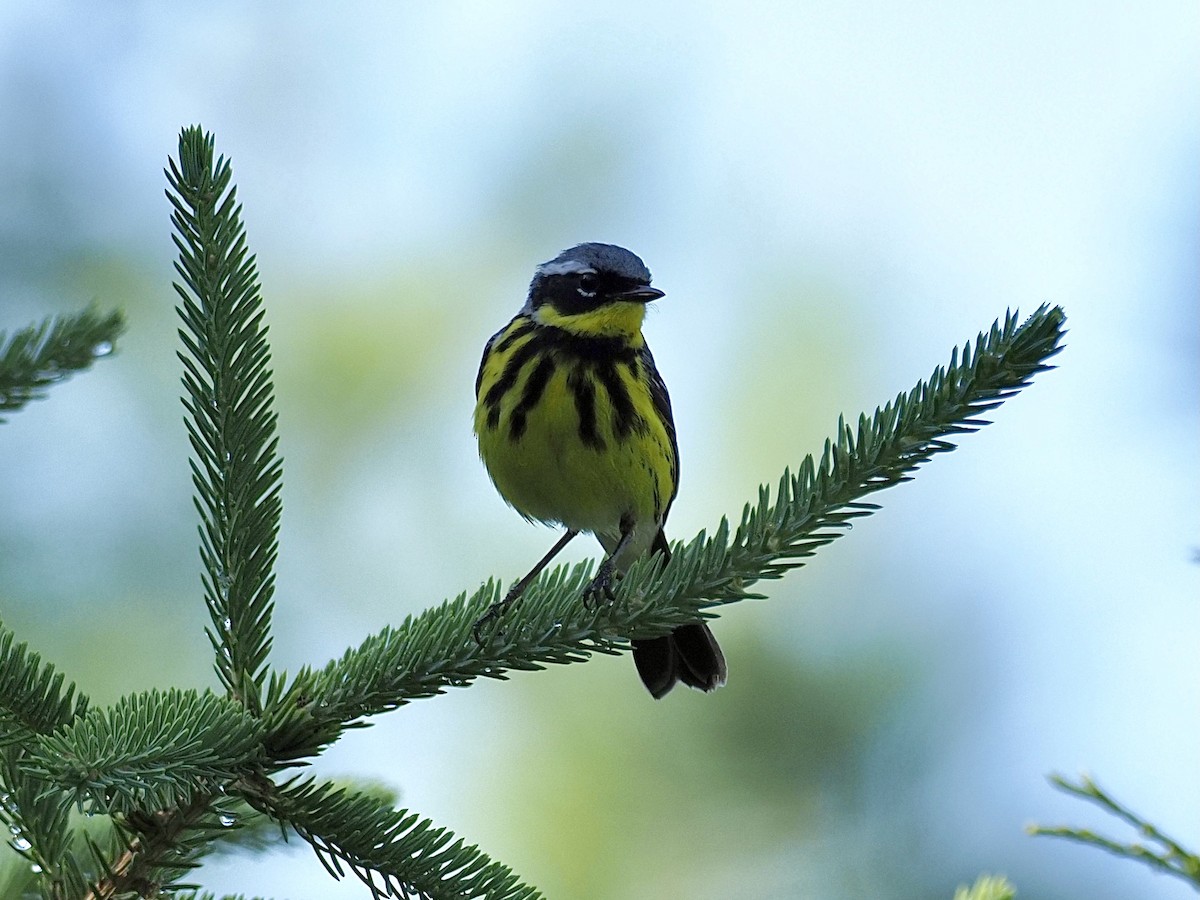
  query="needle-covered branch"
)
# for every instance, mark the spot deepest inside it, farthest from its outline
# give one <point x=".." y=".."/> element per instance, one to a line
<point x="174" y="774"/>
<point x="38" y="356"/>
<point x="1153" y="847"/>
<point x="231" y="421"/>
<point x="435" y="650"/>
<point x="34" y="698"/>
<point x="394" y="852"/>
<point x="987" y="887"/>
<point x="150" y="751"/>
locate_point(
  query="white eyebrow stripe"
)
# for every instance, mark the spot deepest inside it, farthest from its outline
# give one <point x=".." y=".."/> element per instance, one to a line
<point x="566" y="267"/>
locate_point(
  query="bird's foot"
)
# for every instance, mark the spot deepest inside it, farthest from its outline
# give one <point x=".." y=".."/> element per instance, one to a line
<point x="494" y="614"/>
<point x="599" y="592"/>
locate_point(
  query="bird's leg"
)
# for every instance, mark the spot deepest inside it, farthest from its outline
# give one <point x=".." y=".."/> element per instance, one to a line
<point x="600" y="589"/>
<point x="496" y="610"/>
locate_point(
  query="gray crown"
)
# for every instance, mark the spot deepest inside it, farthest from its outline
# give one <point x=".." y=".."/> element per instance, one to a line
<point x="597" y="258"/>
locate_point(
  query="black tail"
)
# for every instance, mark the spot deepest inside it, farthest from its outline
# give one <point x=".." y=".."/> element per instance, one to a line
<point x="689" y="654"/>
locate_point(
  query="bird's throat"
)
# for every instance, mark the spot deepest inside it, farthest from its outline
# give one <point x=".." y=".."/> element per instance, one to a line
<point x="622" y="319"/>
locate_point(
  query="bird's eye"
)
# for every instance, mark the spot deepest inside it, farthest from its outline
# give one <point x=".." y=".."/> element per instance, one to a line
<point x="587" y="284"/>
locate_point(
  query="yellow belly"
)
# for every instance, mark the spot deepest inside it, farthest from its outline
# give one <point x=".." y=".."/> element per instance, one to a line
<point x="550" y="473"/>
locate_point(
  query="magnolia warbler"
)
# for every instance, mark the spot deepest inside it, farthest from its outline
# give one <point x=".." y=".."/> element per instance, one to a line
<point x="575" y="429"/>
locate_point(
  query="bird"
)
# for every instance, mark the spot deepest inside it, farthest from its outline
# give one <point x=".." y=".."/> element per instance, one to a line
<point x="575" y="429"/>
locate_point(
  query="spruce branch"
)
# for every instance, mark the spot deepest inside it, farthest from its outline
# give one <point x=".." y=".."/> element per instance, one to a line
<point x="1168" y="856"/>
<point x="162" y="763"/>
<point x="149" y="850"/>
<point x="819" y="503"/>
<point x="39" y="356"/>
<point x="394" y="852"/>
<point x="178" y="772"/>
<point x="434" y="650"/>
<point x="32" y="697"/>
<point x="38" y="823"/>
<point x="987" y="887"/>
<point x="231" y="422"/>
<point x="247" y="831"/>
<point x="150" y="751"/>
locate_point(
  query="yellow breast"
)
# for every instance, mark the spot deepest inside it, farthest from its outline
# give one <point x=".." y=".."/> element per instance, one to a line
<point x="569" y="431"/>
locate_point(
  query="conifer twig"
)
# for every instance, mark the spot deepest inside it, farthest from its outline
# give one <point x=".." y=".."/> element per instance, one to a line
<point x="153" y="750"/>
<point x="34" y="698"/>
<point x="159" y="845"/>
<point x="169" y="768"/>
<point x="41" y="355"/>
<point x="1168" y="856"/>
<point x="231" y="422"/>
<point x="987" y="887"/>
<point x="435" y="650"/>
<point x="395" y="853"/>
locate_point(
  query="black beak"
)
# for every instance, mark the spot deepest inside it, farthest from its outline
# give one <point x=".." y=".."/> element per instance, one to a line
<point x="643" y="293"/>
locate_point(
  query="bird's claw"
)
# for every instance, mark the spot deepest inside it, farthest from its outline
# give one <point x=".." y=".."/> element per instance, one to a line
<point x="477" y="629"/>
<point x="493" y="614"/>
<point x="599" y="592"/>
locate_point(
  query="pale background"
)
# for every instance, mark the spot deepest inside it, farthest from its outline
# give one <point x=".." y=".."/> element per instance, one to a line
<point x="832" y="196"/>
